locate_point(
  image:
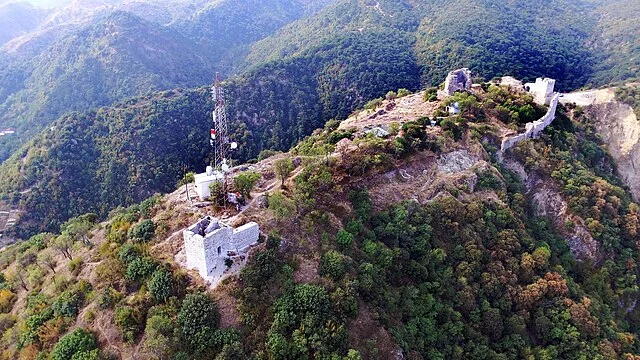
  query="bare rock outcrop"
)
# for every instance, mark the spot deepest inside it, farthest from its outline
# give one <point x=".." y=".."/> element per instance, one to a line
<point x="620" y="129"/>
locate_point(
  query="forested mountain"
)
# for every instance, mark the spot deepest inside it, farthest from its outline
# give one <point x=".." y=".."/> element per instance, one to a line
<point x="575" y="42"/>
<point x="616" y="41"/>
<point x="118" y="57"/>
<point x="324" y="67"/>
<point x="93" y="53"/>
<point x="571" y="41"/>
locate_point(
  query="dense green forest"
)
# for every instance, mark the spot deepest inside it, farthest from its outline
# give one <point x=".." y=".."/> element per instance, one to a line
<point x="123" y="54"/>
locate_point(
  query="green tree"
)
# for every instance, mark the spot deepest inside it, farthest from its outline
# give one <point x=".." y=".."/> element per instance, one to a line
<point x="77" y="341"/>
<point x="332" y="264"/>
<point x="198" y="320"/>
<point x="129" y="321"/>
<point x="245" y="182"/>
<point x="140" y="268"/>
<point x="283" y="167"/>
<point x="67" y="304"/>
<point x="80" y="227"/>
<point x="344" y="239"/>
<point x="161" y="285"/>
<point x="160" y="336"/>
<point x="142" y="232"/>
<point x="63" y="244"/>
<point x="45" y="258"/>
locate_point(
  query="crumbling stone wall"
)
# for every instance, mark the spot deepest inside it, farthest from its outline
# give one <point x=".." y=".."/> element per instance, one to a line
<point x="457" y="80"/>
<point x="208" y="243"/>
<point x="533" y="129"/>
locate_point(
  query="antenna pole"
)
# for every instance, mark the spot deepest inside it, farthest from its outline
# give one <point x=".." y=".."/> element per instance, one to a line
<point x="220" y="131"/>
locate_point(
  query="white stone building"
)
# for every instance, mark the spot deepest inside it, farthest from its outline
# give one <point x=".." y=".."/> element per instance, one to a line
<point x="203" y="181"/>
<point x="209" y="242"/>
<point x="542" y="90"/>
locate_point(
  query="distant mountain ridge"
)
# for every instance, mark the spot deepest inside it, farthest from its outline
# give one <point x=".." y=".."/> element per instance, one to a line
<point x="93" y="56"/>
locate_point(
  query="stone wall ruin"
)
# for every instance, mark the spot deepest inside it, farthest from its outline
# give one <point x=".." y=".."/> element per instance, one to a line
<point x="457" y="80"/>
<point x="209" y="242"/>
<point x="533" y="129"/>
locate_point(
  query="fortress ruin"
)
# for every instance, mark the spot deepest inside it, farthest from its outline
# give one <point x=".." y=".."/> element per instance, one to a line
<point x="457" y="80"/>
<point x="209" y="243"/>
<point x="542" y="92"/>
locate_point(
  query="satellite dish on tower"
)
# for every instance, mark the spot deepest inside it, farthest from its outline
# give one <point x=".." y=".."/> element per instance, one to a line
<point x="225" y="168"/>
<point x="234" y="145"/>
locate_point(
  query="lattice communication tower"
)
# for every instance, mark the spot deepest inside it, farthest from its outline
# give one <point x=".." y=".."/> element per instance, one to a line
<point x="219" y="134"/>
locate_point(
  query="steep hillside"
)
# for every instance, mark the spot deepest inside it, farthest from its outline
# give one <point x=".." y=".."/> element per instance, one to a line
<point x="420" y="245"/>
<point x="493" y="38"/>
<point x="616" y="42"/>
<point x="231" y="25"/>
<point x="518" y="38"/>
<point x="95" y="53"/>
<point x="119" y="57"/>
<point x="96" y="161"/>
<point x="613" y="112"/>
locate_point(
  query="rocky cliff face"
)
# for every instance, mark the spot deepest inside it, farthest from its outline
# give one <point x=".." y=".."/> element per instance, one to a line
<point x="620" y="130"/>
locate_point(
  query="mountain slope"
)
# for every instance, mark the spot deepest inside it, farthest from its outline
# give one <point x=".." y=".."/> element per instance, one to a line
<point x="119" y="57"/>
<point x="18" y="19"/>
<point x="93" y="54"/>
<point x="571" y="41"/>
<point x="616" y="41"/>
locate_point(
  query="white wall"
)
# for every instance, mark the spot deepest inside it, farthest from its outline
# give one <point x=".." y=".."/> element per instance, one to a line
<point x="207" y="254"/>
<point x="533" y="128"/>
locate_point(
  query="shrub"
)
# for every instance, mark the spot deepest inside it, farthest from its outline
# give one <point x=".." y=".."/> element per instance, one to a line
<point x="373" y="104"/>
<point x="77" y="341"/>
<point x="159" y="336"/>
<point x="146" y="207"/>
<point x="129" y="320"/>
<point x="75" y="266"/>
<point x="128" y="253"/>
<point x="391" y="95"/>
<point x="403" y="92"/>
<point x="281" y="205"/>
<point x="67" y="304"/>
<point x="140" y="268"/>
<point x="487" y="180"/>
<point x="244" y="182"/>
<point x="142" y="232"/>
<point x="332" y="264"/>
<point x="344" y="239"/>
<point x="6" y="322"/>
<point x="7" y="298"/>
<point x="161" y="285"/>
<point x="109" y="297"/>
<point x="197" y="317"/>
